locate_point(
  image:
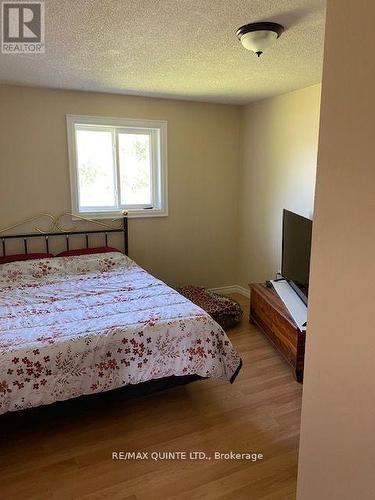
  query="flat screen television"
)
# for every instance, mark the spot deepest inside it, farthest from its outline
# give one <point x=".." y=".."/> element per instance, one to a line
<point x="296" y="249"/>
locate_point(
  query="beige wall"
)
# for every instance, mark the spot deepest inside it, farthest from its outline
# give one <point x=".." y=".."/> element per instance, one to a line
<point x="196" y="242"/>
<point x="337" y="453"/>
<point x="222" y="204"/>
<point x="279" y="149"/>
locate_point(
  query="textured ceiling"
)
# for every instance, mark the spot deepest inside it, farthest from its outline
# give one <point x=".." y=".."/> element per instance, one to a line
<point x="173" y="48"/>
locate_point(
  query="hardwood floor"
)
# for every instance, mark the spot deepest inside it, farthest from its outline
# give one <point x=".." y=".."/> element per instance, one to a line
<point x="65" y="451"/>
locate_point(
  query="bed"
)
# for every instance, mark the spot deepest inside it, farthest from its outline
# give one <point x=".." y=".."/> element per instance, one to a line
<point x="79" y="325"/>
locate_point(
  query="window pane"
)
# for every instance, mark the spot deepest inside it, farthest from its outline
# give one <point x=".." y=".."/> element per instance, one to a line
<point x="95" y="168"/>
<point x="135" y="169"/>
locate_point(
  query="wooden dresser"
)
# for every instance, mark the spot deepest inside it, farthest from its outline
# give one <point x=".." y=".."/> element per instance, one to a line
<point x="269" y="313"/>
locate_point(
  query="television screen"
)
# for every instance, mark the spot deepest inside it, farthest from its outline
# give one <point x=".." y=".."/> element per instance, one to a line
<point x="296" y="251"/>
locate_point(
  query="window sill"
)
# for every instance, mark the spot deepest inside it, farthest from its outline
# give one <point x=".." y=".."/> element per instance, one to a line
<point x="132" y="214"/>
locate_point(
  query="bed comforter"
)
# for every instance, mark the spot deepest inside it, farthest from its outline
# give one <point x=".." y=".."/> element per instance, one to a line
<point x="79" y="325"/>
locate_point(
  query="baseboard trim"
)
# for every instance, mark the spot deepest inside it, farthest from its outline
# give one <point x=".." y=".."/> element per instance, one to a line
<point x="225" y="290"/>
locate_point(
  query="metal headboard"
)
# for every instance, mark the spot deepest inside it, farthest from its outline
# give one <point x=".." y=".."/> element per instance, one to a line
<point x="56" y="229"/>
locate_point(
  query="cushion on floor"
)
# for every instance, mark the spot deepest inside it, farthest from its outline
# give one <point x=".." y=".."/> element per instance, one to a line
<point x="225" y="311"/>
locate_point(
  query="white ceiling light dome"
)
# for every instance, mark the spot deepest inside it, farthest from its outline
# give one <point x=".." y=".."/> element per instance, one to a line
<point x="257" y="37"/>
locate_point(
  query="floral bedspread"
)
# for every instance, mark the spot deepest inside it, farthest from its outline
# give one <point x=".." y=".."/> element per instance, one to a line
<point x="79" y="325"/>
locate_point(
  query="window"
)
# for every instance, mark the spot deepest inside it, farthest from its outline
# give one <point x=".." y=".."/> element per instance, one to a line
<point x="117" y="164"/>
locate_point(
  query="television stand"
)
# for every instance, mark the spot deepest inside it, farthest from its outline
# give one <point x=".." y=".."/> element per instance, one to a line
<point x="270" y="314"/>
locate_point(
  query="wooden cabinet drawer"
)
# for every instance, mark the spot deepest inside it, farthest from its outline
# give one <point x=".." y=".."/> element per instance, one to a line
<point x="270" y="314"/>
<point x="278" y="324"/>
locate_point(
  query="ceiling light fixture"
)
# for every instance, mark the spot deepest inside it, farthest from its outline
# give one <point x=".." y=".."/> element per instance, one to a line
<point x="259" y="36"/>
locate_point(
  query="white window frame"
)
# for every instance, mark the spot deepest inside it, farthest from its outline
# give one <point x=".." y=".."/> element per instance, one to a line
<point x="156" y="129"/>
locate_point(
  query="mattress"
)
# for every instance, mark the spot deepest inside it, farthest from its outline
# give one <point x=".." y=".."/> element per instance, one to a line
<point x="79" y="325"/>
